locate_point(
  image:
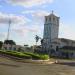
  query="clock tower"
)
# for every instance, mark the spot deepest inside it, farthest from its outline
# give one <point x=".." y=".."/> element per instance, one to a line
<point x="51" y="29"/>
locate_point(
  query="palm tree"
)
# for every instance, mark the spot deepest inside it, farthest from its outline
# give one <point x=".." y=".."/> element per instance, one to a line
<point x="37" y="39"/>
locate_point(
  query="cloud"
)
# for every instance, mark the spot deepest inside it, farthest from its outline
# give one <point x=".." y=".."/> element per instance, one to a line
<point x="0" y="5"/>
<point x="29" y="3"/>
<point x="3" y="35"/>
<point x="28" y="12"/>
<point x="67" y="31"/>
<point x="4" y="19"/>
<point x="19" y="24"/>
<point x="37" y="16"/>
<point x="40" y="13"/>
<point x="19" y="31"/>
<point x="25" y="30"/>
<point x="37" y="23"/>
<point x="28" y="33"/>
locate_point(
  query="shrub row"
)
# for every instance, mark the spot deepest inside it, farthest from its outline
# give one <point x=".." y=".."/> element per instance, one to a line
<point x="38" y="56"/>
<point x="25" y="55"/>
<point x="16" y="54"/>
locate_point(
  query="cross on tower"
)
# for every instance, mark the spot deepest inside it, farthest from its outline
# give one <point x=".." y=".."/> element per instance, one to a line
<point x="52" y="11"/>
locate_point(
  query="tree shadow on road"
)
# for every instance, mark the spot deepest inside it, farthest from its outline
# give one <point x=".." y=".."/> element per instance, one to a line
<point x="67" y="63"/>
<point x="11" y="65"/>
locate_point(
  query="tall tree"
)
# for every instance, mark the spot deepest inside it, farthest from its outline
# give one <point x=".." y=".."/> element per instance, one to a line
<point x="11" y="42"/>
<point x="1" y="43"/>
<point x="37" y="39"/>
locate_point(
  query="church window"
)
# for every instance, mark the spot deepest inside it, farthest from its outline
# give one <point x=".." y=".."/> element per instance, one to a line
<point x="46" y="19"/>
<point x="49" y="18"/>
<point x="57" y="20"/>
<point x="53" y="19"/>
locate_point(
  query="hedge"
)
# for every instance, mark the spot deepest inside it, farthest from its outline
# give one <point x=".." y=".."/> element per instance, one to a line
<point x="25" y="55"/>
<point x="38" y="56"/>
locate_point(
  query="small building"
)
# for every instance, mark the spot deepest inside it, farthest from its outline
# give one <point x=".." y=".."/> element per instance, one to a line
<point x="61" y="42"/>
<point x="17" y="48"/>
<point x="10" y="47"/>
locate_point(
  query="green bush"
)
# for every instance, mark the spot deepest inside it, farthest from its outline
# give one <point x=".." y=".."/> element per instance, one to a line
<point x="37" y="56"/>
<point x="25" y="55"/>
<point x="34" y="56"/>
<point x="16" y="54"/>
<point x="44" y="57"/>
<point x="21" y="55"/>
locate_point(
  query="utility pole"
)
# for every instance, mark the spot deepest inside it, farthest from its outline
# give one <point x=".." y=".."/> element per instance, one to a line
<point x="8" y="33"/>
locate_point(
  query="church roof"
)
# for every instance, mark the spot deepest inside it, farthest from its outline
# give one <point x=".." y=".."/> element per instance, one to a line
<point x="52" y="14"/>
<point x="66" y="40"/>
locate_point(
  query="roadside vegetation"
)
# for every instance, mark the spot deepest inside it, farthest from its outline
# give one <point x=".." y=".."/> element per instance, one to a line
<point x="25" y="55"/>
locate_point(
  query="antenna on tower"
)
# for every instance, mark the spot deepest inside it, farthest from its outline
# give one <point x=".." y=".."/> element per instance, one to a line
<point x="8" y="33"/>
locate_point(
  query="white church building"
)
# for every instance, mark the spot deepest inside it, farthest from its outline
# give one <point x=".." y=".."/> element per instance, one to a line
<point x="50" y="36"/>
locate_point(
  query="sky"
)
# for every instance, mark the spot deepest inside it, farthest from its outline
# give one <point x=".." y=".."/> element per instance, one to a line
<point x="27" y="19"/>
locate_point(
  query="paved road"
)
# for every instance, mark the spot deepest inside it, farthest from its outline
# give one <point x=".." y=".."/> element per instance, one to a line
<point x="10" y="67"/>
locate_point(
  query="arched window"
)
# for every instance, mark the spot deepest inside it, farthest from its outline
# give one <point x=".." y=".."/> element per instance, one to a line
<point x="57" y="48"/>
<point x="46" y="19"/>
<point x="49" y="18"/>
<point x="53" y="19"/>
